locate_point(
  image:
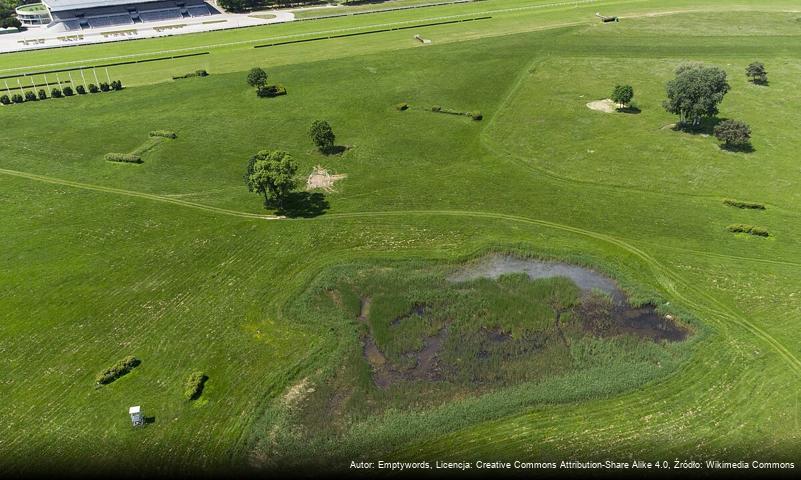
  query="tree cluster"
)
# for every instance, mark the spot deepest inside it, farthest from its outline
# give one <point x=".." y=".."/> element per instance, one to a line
<point x="257" y="77"/>
<point x="695" y="93"/>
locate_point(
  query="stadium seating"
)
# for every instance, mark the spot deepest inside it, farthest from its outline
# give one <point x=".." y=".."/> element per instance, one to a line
<point x="130" y="13"/>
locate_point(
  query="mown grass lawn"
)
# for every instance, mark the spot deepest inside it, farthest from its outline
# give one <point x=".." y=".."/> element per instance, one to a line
<point x="100" y="262"/>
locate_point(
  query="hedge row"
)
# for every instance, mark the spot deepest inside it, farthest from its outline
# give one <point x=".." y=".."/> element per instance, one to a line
<point x="163" y="133"/>
<point x="739" y="204"/>
<point x="117" y="370"/>
<point x="196" y="73"/>
<point x="474" y="115"/>
<point x="123" y="157"/>
<point x="271" y="90"/>
<point x="194" y="385"/>
<point x="56" y="92"/>
<point x="749" y="229"/>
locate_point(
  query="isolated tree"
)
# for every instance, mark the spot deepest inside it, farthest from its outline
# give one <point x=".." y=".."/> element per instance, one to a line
<point x="272" y="175"/>
<point x="257" y="77"/>
<point x="695" y="93"/>
<point x="622" y="94"/>
<point x="733" y="133"/>
<point x="322" y="135"/>
<point x="756" y="72"/>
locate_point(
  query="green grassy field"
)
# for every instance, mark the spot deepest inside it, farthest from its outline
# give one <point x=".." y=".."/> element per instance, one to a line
<point x="173" y="261"/>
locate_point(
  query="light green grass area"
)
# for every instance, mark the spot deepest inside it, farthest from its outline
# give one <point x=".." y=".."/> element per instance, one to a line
<point x="174" y="262"/>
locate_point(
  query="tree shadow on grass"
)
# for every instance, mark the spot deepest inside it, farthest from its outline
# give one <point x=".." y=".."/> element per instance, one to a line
<point x="630" y="110"/>
<point x="334" y="150"/>
<point x="149" y="420"/>
<point x="747" y="148"/>
<point x="706" y="127"/>
<point x="304" y="205"/>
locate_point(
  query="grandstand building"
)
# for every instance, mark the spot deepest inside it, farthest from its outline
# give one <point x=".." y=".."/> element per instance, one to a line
<point x="79" y="15"/>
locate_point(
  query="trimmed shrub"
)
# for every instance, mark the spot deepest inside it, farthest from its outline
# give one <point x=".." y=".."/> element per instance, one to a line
<point x="93" y="88"/>
<point x="5" y="100"/>
<point x="402" y="106"/>
<point x="749" y="229"/>
<point x="163" y="133"/>
<point x="117" y="370"/>
<point x="42" y="94"/>
<point x="196" y="73"/>
<point x="81" y="90"/>
<point x="271" y="90"/>
<point x="739" y="204"/>
<point x="55" y="93"/>
<point x="104" y="87"/>
<point x="193" y="387"/>
<point x="476" y="115"/>
<point x="123" y="158"/>
<point x="17" y="98"/>
<point x="30" y="97"/>
<point x="68" y="92"/>
<point x="116" y="85"/>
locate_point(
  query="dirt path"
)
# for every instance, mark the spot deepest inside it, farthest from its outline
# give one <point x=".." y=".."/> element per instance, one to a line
<point x="130" y="193"/>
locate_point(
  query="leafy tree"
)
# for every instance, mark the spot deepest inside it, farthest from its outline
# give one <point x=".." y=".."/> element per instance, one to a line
<point x="322" y="135"/>
<point x="10" y="22"/>
<point x="68" y="91"/>
<point x="257" y="77"/>
<point x="733" y="133"/>
<point x="55" y="93"/>
<point x="42" y="94"/>
<point x="30" y="97"/>
<point x="696" y="92"/>
<point x="756" y="72"/>
<point x="5" y="100"/>
<point x="272" y="175"/>
<point x="93" y="88"/>
<point x="622" y="94"/>
<point x="17" y="98"/>
<point x="80" y="89"/>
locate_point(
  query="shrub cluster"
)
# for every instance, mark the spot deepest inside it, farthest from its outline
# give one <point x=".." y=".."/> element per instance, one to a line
<point x="271" y="90"/>
<point x="55" y="92"/>
<point x="474" y="115"/>
<point x="123" y="157"/>
<point x="163" y="133"/>
<point x="739" y="204"/>
<point x="749" y="229"/>
<point x="196" y="73"/>
<point x="117" y="370"/>
<point x="194" y="385"/>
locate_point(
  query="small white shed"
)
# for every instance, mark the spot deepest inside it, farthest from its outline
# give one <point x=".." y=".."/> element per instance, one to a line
<point x="136" y="416"/>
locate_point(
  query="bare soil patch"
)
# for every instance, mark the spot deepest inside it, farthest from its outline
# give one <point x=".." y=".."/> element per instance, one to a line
<point x="606" y="105"/>
<point x="322" y="179"/>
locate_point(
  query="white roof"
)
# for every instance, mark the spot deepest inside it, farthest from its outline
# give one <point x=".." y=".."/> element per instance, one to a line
<point x="133" y="410"/>
<point x="61" y="5"/>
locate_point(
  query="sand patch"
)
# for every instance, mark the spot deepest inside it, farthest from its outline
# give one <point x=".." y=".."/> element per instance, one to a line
<point x="606" y="105"/>
<point x="297" y="393"/>
<point x="322" y="179"/>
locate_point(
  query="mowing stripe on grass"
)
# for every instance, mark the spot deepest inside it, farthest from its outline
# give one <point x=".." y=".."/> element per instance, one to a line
<point x="369" y="32"/>
<point x="28" y="74"/>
